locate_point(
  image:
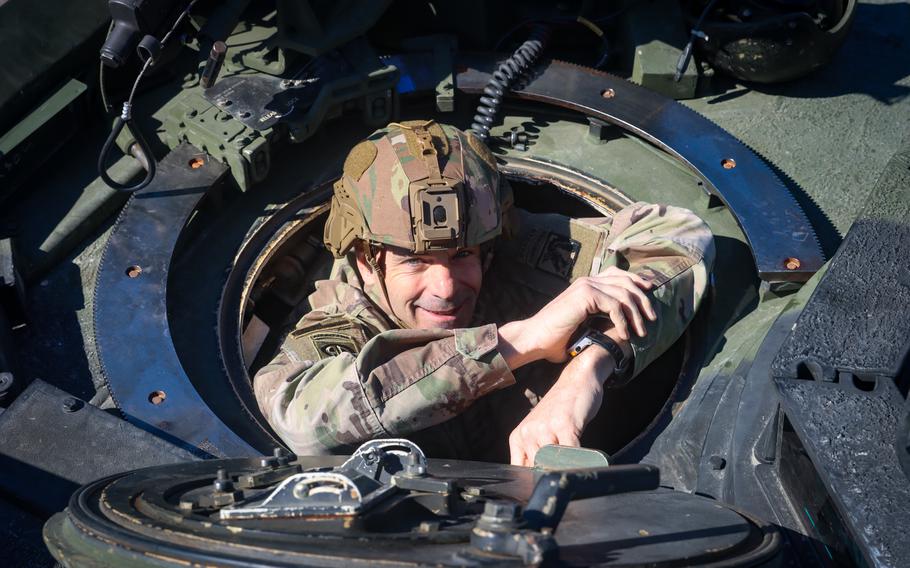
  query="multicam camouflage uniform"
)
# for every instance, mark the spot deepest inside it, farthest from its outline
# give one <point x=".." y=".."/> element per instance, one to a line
<point x="348" y="373"/>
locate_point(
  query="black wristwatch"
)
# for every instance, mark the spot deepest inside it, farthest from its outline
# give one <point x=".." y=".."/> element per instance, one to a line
<point x="592" y="336"/>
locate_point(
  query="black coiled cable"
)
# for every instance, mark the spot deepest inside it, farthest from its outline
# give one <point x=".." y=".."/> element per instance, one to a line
<point x="505" y="76"/>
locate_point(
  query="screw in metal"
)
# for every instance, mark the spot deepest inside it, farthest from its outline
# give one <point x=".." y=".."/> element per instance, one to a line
<point x="371" y="456"/>
<point x="413" y="467"/>
<point x="222" y="481"/>
<point x="281" y="455"/>
<point x="518" y="138"/>
<point x="500" y="511"/>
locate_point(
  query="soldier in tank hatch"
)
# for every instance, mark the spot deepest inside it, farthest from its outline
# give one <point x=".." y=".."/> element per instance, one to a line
<point x="450" y="315"/>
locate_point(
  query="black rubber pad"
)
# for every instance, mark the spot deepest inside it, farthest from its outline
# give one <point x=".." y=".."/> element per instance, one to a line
<point x="51" y="443"/>
<point x="858" y="319"/>
<point x="857" y="325"/>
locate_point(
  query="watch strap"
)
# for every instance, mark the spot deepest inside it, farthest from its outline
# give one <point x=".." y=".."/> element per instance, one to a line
<point x="623" y="365"/>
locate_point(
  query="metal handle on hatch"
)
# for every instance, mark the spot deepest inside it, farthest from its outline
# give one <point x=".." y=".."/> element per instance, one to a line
<point x="555" y="490"/>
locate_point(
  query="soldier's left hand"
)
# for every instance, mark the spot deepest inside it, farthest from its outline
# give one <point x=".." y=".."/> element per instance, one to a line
<point x="562" y="414"/>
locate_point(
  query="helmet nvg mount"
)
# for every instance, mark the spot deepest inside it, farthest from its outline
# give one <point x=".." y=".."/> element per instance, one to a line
<point x="420" y="186"/>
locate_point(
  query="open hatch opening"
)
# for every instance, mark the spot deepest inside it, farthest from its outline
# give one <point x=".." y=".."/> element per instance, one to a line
<point x="284" y="257"/>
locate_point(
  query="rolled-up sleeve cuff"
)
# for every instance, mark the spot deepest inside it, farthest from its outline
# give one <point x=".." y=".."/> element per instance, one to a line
<point x="481" y="344"/>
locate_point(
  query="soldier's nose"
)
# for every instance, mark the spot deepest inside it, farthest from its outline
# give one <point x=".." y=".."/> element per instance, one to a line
<point x="441" y="281"/>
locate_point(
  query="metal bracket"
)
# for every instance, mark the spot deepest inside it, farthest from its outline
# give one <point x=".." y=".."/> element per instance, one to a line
<point x="368" y="477"/>
<point x="302" y="101"/>
<point x="504" y="530"/>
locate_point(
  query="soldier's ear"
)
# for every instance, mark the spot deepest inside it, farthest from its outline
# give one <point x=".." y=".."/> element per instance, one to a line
<point x="367" y="274"/>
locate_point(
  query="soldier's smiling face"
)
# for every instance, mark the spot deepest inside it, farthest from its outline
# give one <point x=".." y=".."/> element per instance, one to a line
<point x="434" y="290"/>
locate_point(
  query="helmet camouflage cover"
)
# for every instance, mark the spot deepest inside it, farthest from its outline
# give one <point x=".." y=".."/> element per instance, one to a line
<point x="417" y="185"/>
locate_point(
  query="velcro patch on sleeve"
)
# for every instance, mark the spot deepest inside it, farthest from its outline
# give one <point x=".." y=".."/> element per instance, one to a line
<point x="558" y="255"/>
<point x="327" y="338"/>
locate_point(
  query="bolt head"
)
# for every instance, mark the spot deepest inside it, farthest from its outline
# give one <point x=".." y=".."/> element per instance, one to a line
<point x="281" y="455"/>
<point x="501" y="510"/>
<point x="415" y="470"/>
<point x="71" y="404"/>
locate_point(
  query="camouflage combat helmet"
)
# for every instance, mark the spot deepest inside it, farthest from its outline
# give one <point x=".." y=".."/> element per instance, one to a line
<point x="417" y="185"/>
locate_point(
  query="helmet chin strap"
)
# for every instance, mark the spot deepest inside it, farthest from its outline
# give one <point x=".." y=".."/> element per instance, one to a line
<point x="486" y="256"/>
<point x="373" y="263"/>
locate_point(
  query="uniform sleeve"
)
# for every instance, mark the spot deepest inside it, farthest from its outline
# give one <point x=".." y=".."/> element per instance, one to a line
<point x="400" y="382"/>
<point x="674" y="249"/>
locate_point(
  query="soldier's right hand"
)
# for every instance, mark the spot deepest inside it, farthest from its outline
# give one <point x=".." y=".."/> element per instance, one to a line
<point x="615" y="293"/>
